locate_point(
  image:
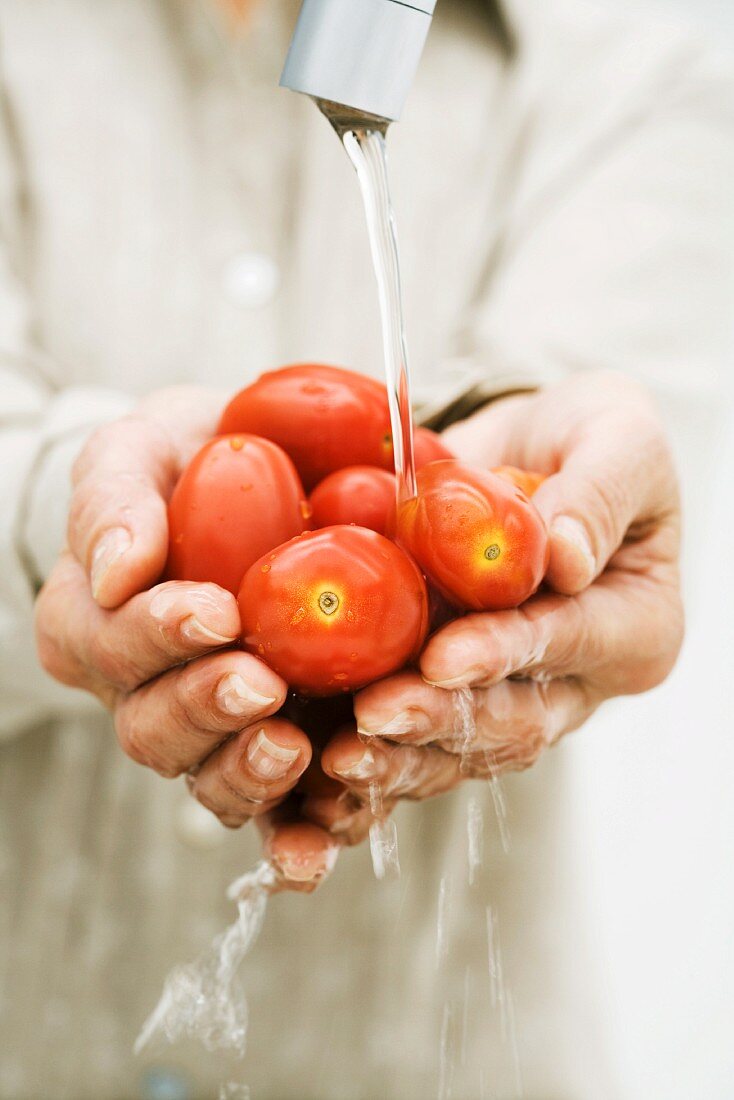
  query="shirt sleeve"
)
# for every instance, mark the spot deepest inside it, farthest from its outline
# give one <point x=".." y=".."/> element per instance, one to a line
<point x="42" y="427"/>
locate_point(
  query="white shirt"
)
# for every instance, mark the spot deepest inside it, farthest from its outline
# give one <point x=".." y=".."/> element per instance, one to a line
<point x="169" y="215"/>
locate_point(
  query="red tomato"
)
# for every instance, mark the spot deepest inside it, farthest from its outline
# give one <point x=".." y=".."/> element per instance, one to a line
<point x="428" y="447"/>
<point x="334" y="609"/>
<point x="239" y="497"/>
<point x="527" y="480"/>
<point x="357" y="494"/>
<point x="477" y="538"/>
<point x="324" y="417"/>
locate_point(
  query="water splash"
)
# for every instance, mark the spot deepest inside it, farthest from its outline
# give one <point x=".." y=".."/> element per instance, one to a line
<point x="465" y="1016"/>
<point x="446" y="1055"/>
<point x="497" y="990"/>
<point x="474" y="838"/>
<point x="383" y="838"/>
<point x="512" y="1027"/>
<point x="233" y="1091"/>
<point x="465" y="730"/>
<point x="442" y="919"/>
<point x="501" y="997"/>
<point x="204" y="999"/>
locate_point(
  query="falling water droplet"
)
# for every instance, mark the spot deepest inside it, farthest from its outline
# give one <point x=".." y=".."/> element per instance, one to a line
<point x="446" y="1055"/>
<point x="475" y="838"/>
<point x="204" y="999"/>
<point x="383" y="838"/>
<point x="445" y="891"/>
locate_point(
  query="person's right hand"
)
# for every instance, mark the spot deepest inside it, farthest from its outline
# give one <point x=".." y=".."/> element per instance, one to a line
<point x="159" y="655"/>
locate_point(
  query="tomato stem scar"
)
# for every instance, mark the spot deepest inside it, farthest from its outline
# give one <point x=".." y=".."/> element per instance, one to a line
<point x="492" y="552"/>
<point x="328" y="602"/>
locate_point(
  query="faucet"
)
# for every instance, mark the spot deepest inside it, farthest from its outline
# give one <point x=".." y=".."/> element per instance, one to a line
<point x="357" y="58"/>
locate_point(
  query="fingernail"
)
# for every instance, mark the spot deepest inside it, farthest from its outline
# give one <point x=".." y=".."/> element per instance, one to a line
<point x="268" y="760"/>
<point x="573" y="531"/>
<point x="305" y="869"/>
<point x="464" y="679"/>
<point x="109" y="548"/>
<point x="414" y="720"/>
<point x="194" y="631"/>
<point x="235" y="696"/>
<point x="361" y="768"/>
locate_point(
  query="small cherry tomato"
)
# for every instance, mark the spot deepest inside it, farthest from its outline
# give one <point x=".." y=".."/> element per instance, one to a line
<point x="239" y="497"/>
<point x="324" y="417"/>
<point x="428" y="447"/>
<point x="527" y="480"/>
<point x="475" y="536"/>
<point x="333" y="610"/>
<point x="363" y="495"/>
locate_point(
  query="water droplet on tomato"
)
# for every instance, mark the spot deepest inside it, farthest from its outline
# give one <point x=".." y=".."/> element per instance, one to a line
<point x="265" y="568"/>
<point x="340" y="676"/>
<point x="306" y="509"/>
<point x="261" y="649"/>
<point x="353" y="656"/>
<point x="298" y="616"/>
<point x="236" y="443"/>
<point x="351" y="616"/>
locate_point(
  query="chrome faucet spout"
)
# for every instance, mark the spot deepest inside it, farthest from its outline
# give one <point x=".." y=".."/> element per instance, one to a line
<point x="360" y="55"/>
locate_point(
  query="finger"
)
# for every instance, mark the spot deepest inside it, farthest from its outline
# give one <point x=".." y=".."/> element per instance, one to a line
<point x="248" y="774"/>
<point x="87" y="646"/>
<point x="344" y="817"/>
<point x="118" y="528"/>
<point x="403" y="707"/>
<point x="506" y="726"/>
<point x="398" y="770"/>
<point x="615" y="475"/>
<point x="175" y="721"/>
<point x="619" y="635"/>
<point x="302" y="853"/>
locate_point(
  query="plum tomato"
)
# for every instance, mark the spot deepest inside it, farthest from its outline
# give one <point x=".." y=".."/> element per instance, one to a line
<point x="324" y="417"/>
<point x="363" y="495"/>
<point x="428" y="447"/>
<point x="239" y="497"/>
<point x="527" y="480"/>
<point x="333" y="610"/>
<point x="477" y="538"/>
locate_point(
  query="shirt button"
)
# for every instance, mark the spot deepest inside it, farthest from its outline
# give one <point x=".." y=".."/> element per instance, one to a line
<point x="250" y="279"/>
<point x="197" y="826"/>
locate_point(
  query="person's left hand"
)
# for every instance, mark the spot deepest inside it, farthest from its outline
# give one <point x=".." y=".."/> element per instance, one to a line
<point x="609" y="623"/>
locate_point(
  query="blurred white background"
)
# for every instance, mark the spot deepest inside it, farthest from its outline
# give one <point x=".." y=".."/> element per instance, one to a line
<point x="654" y="788"/>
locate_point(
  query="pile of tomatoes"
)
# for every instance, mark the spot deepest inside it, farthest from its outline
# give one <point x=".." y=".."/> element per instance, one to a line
<point x="291" y="507"/>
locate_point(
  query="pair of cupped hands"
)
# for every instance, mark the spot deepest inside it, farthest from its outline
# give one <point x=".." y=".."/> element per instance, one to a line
<point x="162" y="656"/>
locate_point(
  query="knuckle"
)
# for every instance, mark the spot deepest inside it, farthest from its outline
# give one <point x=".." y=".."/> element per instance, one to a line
<point x="664" y="650"/>
<point x="138" y="745"/>
<point x="87" y="456"/>
<point x="51" y="642"/>
<point x="132" y="742"/>
<point x="112" y="663"/>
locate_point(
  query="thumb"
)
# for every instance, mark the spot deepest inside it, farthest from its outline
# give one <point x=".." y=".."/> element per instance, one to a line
<point x="118" y="528"/>
<point x="123" y="478"/>
<point x="608" y="482"/>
